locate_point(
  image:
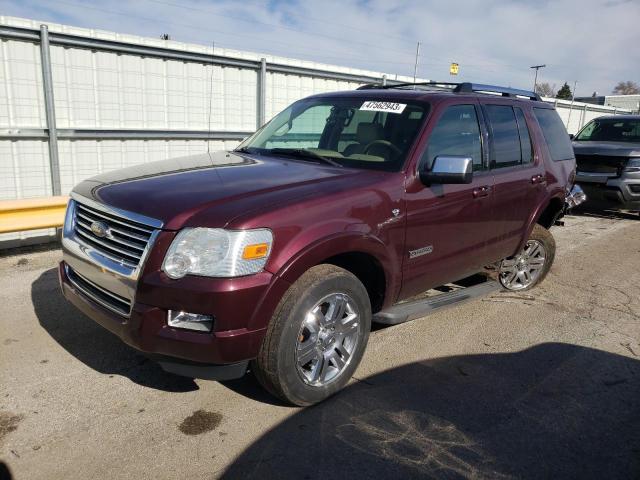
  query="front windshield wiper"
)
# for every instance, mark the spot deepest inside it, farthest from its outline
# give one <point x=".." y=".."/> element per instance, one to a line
<point x="244" y="150"/>
<point x="303" y="153"/>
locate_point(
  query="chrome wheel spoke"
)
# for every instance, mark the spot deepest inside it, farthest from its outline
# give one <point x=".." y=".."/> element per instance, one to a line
<point x="316" y="370"/>
<point x="335" y="358"/>
<point x="335" y="312"/>
<point x="348" y="324"/>
<point x="537" y="262"/>
<point x="324" y="370"/>
<point x="307" y="352"/>
<point x="510" y="276"/>
<point x="534" y="250"/>
<point x="508" y="263"/>
<point x="342" y="351"/>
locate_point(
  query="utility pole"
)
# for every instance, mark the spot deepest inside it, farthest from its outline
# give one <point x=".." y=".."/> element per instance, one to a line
<point x="535" y="81"/>
<point x="415" y="67"/>
<point x="573" y="98"/>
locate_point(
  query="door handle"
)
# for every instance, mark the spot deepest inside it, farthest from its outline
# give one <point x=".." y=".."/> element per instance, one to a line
<point x="481" y="191"/>
<point x="537" y="179"/>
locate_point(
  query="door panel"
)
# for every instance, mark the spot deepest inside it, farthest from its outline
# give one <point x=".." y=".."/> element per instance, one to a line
<point x="447" y="224"/>
<point x="518" y="175"/>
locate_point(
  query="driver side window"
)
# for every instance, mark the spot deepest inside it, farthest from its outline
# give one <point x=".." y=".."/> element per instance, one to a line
<point x="457" y="133"/>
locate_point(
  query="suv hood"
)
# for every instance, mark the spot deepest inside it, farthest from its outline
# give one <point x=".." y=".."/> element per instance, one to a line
<point x="175" y="191"/>
<point x="614" y="149"/>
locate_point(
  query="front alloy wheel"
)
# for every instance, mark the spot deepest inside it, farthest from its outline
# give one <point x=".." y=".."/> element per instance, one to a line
<point x="327" y="339"/>
<point x="316" y="337"/>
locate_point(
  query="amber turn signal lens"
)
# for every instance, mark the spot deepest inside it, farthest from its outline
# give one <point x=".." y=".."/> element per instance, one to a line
<point x="253" y="252"/>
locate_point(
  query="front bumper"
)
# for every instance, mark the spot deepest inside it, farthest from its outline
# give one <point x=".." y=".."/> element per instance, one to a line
<point x="623" y="191"/>
<point x="131" y="296"/>
<point x="220" y="355"/>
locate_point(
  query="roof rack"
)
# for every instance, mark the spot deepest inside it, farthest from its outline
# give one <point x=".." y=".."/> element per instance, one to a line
<point x="465" y="87"/>
<point x="432" y="85"/>
<point x="504" y="91"/>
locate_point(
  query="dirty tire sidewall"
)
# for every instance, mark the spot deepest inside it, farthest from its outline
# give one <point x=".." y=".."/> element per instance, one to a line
<point x="276" y="364"/>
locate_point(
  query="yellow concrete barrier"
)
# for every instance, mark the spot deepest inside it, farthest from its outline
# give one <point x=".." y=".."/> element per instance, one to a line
<point x="32" y="214"/>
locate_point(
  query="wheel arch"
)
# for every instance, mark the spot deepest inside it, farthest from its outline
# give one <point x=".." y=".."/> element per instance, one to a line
<point x="545" y="215"/>
<point x="368" y="270"/>
<point x="365" y="256"/>
<point x="550" y="212"/>
<point x="348" y="250"/>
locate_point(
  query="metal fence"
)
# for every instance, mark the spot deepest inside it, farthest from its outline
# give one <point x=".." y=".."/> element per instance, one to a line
<point x="77" y="102"/>
<point x="576" y="114"/>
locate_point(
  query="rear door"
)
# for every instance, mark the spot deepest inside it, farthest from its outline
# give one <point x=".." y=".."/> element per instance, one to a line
<point x="518" y="173"/>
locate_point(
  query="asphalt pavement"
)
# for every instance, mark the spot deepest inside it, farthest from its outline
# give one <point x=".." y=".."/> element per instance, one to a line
<point x="540" y="384"/>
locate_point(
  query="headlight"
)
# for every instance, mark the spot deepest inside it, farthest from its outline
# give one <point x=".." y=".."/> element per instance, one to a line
<point x="633" y="165"/>
<point x="214" y="252"/>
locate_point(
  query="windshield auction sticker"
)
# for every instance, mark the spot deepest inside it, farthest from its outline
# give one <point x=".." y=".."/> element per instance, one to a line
<point x="389" y="107"/>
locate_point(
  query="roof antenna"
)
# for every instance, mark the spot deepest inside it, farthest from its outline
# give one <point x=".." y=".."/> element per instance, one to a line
<point x="213" y="47"/>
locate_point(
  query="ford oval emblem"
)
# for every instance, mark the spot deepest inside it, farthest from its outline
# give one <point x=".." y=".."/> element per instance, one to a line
<point x="100" y="229"/>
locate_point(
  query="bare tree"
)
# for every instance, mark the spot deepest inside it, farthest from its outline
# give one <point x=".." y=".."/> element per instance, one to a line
<point x="626" y="88"/>
<point x="545" y="89"/>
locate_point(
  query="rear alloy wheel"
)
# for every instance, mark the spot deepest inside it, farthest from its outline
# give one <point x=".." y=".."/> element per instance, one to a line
<point x="529" y="267"/>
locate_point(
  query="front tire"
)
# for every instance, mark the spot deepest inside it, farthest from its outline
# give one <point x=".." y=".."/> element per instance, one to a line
<point x="316" y="338"/>
<point x="530" y="266"/>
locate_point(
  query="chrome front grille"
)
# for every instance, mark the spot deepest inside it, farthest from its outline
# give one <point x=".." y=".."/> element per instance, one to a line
<point x="98" y="294"/>
<point x="123" y="240"/>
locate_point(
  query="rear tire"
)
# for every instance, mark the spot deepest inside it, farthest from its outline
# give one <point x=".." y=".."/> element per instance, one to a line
<point x="316" y="338"/>
<point x="530" y="266"/>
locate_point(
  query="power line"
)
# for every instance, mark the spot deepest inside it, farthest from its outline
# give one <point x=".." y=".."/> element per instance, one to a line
<point x="236" y="34"/>
<point x="154" y="20"/>
<point x="306" y="17"/>
<point x="289" y="51"/>
<point x="309" y="18"/>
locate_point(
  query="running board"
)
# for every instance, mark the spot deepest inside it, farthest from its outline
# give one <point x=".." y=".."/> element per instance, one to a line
<point x="403" y="312"/>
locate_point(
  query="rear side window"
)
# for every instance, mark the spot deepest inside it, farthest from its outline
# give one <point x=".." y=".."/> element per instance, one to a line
<point x="525" y="138"/>
<point x="457" y="133"/>
<point x="506" y="138"/>
<point x="554" y="133"/>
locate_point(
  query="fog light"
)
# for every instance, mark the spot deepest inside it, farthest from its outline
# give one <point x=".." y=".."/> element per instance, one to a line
<point x="190" y="321"/>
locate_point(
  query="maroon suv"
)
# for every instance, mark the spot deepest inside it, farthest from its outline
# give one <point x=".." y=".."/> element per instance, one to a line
<point x="343" y="209"/>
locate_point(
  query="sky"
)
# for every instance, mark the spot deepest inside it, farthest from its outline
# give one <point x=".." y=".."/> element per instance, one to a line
<point x="595" y="43"/>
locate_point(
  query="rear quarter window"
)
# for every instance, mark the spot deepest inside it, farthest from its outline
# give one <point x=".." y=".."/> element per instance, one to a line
<point x="555" y="134"/>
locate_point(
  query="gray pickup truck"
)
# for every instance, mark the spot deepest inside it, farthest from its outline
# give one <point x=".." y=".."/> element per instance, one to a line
<point x="607" y="153"/>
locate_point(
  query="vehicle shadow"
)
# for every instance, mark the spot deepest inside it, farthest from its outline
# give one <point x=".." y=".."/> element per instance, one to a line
<point x="552" y="411"/>
<point x="248" y="386"/>
<point x="93" y="345"/>
<point x="596" y="209"/>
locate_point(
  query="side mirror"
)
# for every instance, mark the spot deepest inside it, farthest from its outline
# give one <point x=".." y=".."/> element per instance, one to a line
<point x="447" y="169"/>
<point x="571" y="136"/>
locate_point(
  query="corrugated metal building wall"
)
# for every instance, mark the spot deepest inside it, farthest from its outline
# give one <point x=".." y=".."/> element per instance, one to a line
<point x="121" y="100"/>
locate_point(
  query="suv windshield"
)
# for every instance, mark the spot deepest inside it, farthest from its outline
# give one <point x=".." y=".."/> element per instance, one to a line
<point x="350" y="132"/>
<point x="611" y="130"/>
